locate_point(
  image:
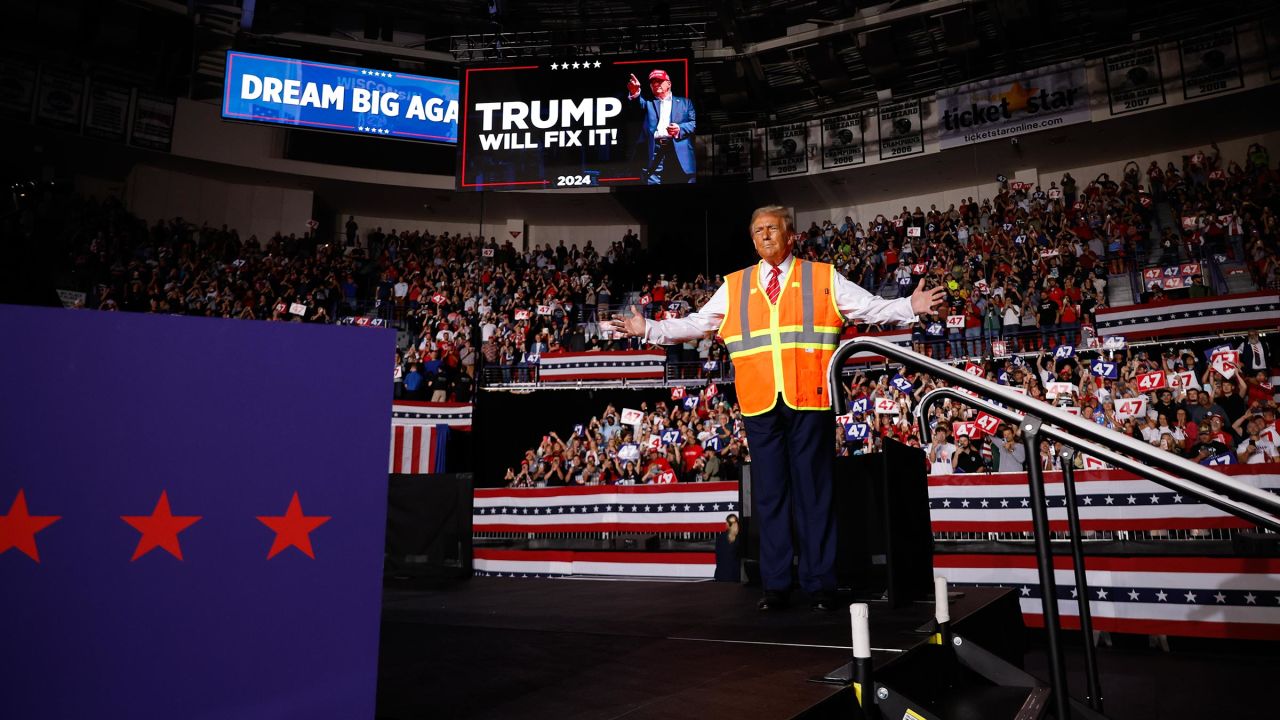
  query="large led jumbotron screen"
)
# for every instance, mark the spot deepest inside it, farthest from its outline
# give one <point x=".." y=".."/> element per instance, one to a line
<point x="599" y="121"/>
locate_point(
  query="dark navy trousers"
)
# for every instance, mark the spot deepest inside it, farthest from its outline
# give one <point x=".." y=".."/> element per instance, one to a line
<point x="792" y="456"/>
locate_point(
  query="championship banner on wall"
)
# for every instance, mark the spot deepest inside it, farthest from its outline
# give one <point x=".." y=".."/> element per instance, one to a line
<point x="843" y="140"/>
<point x="1210" y="64"/>
<point x="18" y="94"/>
<point x="591" y="122"/>
<point x="787" y="149"/>
<point x="1013" y="105"/>
<point x="60" y="99"/>
<point x="901" y="130"/>
<point x="1270" y="29"/>
<point x="339" y="98"/>
<point x="152" y="122"/>
<point x="107" y="116"/>
<point x="731" y="154"/>
<point x="1134" y="80"/>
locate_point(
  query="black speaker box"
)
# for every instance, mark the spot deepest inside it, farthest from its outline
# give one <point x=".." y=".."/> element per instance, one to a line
<point x="884" y="544"/>
<point x="429" y="525"/>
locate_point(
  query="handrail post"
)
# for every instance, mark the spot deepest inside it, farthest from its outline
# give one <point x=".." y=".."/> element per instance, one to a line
<point x="1067" y="454"/>
<point x="1044" y="558"/>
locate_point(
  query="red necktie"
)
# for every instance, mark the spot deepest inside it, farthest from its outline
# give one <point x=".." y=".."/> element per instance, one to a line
<point x="773" y="289"/>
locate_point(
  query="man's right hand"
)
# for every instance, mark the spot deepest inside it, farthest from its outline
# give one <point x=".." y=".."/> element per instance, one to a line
<point x="633" y="326"/>
<point x="633" y="85"/>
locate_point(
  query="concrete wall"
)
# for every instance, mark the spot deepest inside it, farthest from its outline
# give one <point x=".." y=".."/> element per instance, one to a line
<point x="155" y="193"/>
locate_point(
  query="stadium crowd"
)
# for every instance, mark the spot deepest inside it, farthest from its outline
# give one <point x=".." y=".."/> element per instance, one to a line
<point x="1195" y="411"/>
<point x="1218" y="415"/>
<point x="1029" y="266"/>
<point x="666" y="443"/>
<point x="458" y="300"/>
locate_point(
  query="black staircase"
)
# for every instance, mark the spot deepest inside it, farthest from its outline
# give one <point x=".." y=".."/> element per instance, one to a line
<point x="967" y="680"/>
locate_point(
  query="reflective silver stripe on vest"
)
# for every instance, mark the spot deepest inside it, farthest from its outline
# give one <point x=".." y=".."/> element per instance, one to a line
<point x="806" y="294"/>
<point x="747" y="343"/>
<point x="807" y="335"/>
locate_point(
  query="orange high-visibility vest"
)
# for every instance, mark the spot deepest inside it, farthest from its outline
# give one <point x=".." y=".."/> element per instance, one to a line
<point x="782" y="348"/>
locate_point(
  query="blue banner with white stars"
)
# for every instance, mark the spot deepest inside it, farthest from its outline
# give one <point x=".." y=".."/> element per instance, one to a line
<point x="339" y="98"/>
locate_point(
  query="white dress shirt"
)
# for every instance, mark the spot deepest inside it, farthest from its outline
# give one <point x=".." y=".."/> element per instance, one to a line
<point x="854" y="303"/>
<point x="664" y="118"/>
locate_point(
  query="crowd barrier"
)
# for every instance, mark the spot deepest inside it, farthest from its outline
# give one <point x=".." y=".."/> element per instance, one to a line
<point x="1167" y="587"/>
<point x="1162" y="585"/>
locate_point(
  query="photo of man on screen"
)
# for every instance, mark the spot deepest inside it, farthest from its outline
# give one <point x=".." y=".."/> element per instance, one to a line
<point x="667" y="153"/>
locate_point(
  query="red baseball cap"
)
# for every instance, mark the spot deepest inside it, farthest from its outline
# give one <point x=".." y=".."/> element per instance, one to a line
<point x="659" y="74"/>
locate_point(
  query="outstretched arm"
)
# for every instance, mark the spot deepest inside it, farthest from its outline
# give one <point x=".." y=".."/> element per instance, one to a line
<point x="859" y="305"/>
<point x="675" y="330"/>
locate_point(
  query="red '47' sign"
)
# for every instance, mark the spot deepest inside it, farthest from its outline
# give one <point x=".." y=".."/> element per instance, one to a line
<point x="1151" y="381"/>
<point x="987" y="423"/>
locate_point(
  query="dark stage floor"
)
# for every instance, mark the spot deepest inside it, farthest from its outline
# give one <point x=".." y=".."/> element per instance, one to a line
<point x="516" y="648"/>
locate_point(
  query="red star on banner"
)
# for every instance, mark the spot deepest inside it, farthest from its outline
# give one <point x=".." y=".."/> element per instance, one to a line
<point x="18" y="529"/>
<point x="293" y="528"/>
<point x="160" y="529"/>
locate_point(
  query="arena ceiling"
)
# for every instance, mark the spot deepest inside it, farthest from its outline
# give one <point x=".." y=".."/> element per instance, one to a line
<point x="759" y="61"/>
<point x="763" y="61"/>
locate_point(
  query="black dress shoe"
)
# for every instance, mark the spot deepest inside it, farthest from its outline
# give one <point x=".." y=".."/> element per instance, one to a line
<point x="824" y="601"/>
<point x="773" y="601"/>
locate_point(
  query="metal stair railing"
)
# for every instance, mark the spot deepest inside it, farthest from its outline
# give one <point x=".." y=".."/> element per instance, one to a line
<point x="1035" y="419"/>
<point x="1226" y="504"/>
<point x="1209" y="485"/>
<point x="1067" y="454"/>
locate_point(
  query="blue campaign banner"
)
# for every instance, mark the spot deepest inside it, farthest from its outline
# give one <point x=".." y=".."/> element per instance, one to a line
<point x="1103" y="369"/>
<point x="856" y="431"/>
<point x="859" y="406"/>
<point x="192" y="524"/>
<point x="1226" y="458"/>
<point x="300" y="93"/>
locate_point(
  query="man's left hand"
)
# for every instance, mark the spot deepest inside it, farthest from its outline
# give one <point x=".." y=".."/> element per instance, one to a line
<point x="924" y="301"/>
